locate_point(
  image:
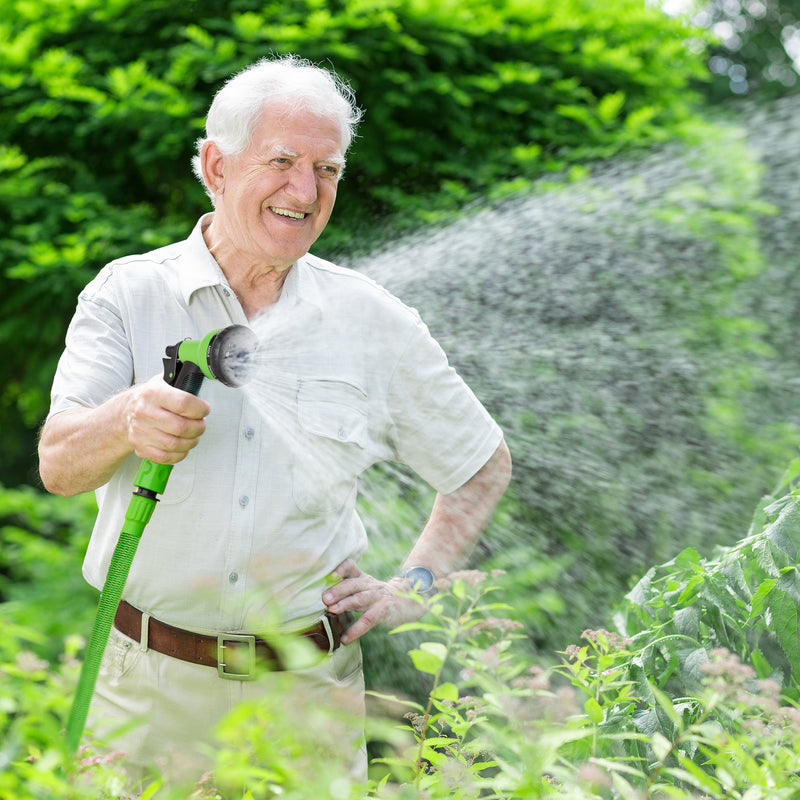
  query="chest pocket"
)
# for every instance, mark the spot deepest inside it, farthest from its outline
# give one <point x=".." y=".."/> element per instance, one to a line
<point x="181" y="480"/>
<point x="179" y="484"/>
<point x="332" y="444"/>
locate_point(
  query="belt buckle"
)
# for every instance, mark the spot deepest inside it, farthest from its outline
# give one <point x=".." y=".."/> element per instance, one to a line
<point x="250" y="641"/>
<point x="326" y="626"/>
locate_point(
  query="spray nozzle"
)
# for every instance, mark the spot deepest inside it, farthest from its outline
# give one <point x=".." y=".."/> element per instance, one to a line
<point x="223" y="354"/>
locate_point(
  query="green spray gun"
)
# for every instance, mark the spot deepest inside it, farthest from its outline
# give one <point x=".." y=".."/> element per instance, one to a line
<point x="222" y="355"/>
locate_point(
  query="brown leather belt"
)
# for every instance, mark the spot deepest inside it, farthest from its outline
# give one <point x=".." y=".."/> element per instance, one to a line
<point x="234" y="655"/>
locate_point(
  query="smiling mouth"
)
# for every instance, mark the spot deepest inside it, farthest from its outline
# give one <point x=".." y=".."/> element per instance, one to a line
<point x="285" y="212"/>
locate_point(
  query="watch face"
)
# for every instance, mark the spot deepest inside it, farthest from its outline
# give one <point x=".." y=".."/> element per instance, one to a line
<point x="422" y="579"/>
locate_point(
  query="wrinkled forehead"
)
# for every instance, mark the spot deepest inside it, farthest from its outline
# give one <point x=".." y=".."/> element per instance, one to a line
<point x="286" y="124"/>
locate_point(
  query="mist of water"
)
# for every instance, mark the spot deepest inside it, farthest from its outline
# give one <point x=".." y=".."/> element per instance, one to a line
<point x="578" y="316"/>
<point x="288" y="353"/>
<point x="575" y="313"/>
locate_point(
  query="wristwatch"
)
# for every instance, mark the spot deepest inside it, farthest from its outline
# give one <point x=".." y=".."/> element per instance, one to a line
<point x="421" y="580"/>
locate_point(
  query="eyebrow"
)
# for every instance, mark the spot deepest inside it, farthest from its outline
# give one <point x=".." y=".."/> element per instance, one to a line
<point x="285" y="151"/>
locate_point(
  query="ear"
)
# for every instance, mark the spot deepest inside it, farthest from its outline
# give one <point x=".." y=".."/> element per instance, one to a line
<point x="212" y="166"/>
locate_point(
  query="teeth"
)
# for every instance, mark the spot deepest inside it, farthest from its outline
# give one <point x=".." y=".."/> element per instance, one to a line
<point x="284" y="212"/>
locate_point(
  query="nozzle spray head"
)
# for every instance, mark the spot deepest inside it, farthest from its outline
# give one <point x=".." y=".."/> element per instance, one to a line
<point x="230" y="354"/>
<point x="224" y="355"/>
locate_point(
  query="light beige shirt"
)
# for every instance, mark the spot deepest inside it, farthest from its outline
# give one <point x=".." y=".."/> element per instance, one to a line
<point x="263" y="509"/>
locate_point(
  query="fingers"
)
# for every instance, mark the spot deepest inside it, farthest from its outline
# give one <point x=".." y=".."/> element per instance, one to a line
<point x="164" y="423"/>
<point x="356" y="591"/>
<point x="376" y="604"/>
<point x="366" y="622"/>
<point x="348" y="569"/>
<point x="388" y="609"/>
<point x="377" y="601"/>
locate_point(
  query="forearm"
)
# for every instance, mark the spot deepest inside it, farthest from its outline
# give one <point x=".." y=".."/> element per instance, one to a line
<point x="81" y="448"/>
<point x="458" y="519"/>
<point x="448" y="538"/>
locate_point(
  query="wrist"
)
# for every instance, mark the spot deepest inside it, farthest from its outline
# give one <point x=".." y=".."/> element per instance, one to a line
<point x="419" y="579"/>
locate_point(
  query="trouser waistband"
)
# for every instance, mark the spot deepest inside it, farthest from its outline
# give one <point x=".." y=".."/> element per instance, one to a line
<point x="234" y="655"/>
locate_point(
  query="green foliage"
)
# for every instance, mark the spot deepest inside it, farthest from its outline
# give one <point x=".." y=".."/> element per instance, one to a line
<point x="42" y="540"/>
<point x="616" y="729"/>
<point x="102" y="102"/>
<point x="100" y="105"/>
<point x="756" y="47"/>
<point x="732" y="736"/>
<point x="745" y="600"/>
<point x="34" y="702"/>
<point x="492" y="724"/>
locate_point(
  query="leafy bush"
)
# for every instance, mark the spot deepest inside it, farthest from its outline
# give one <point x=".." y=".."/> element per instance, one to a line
<point x="42" y="541"/>
<point x="745" y="600"/>
<point x="493" y="724"/>
<point x="731" y="737"/>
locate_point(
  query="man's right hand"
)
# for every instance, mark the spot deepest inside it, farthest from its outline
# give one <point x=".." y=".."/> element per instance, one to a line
<point x="164" y="423"/>
<point x="81" y="448"/>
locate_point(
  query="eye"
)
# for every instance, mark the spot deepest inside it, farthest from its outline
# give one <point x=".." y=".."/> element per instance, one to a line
<point x="329" y="170"/>
<point x="282" y="161"/>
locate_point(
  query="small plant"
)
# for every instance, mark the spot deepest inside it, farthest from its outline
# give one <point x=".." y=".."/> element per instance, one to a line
<point x="464" y="642"/>
<point x="35" y="698"/>
<point x="734" y="735"/>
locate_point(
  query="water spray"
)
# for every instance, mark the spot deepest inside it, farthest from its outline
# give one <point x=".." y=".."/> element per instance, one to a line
<point x="223" y="355"/>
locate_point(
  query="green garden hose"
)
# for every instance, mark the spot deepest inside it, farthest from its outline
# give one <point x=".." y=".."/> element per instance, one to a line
<point x="150" y="478"/>
<point x="223" y="355"/>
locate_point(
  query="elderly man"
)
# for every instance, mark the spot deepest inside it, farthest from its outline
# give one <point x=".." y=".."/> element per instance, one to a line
<point x="248" y="534"/>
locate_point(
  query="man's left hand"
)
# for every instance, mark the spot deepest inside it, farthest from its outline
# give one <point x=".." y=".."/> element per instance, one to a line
<point x="384" y="602"/>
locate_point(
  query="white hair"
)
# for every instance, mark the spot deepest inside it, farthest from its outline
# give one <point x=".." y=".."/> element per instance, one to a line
<point x="291" y="82"/>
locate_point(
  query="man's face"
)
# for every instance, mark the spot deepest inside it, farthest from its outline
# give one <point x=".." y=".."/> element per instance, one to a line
<point x="277" y="196"/>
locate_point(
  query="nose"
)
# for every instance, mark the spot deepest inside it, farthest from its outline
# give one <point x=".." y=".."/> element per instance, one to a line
<point x="303" y="184"/>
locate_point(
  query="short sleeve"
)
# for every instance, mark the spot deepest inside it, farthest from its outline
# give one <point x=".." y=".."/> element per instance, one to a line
<point x="97" y="361"/>
<point x="439" y="427"/>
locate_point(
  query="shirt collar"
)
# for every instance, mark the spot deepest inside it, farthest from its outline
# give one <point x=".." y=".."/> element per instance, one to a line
<point x="300" y="284"/>
<point x="201" y="270"/>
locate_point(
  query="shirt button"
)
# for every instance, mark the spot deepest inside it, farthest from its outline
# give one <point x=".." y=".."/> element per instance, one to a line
<point x="342" y="434"/>
<point x="226" y="292"/>
<point x="243" y="500"/>
<point x="233" y="577"/>
<point x="249" y="433"/>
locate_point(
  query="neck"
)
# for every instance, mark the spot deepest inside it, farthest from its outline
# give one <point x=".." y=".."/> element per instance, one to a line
<point x="257" y="289"/>
<point x="257" y="285"/>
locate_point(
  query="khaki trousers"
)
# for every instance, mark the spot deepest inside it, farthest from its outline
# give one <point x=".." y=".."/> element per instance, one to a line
<point x="164" y="715"/>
